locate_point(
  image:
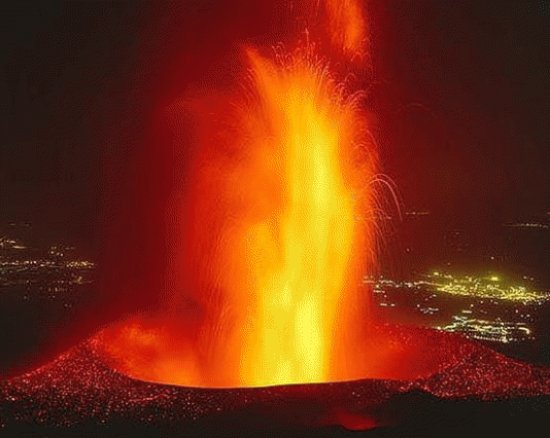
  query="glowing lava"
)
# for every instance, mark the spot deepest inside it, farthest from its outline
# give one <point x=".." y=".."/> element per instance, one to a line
<point x="263" y="286"/>
<point x="347" y="26"/>
<point x="298" y="253"/>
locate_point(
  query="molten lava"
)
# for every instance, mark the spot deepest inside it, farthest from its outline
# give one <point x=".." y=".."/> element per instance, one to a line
<point x="273" y="230"/>
<point x="300" y="246"/>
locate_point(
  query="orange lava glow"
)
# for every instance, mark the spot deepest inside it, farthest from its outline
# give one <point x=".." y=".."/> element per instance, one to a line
<point x="299" y="248"/>
<point x="271" y="234"/>
<point x="347" y="25"/>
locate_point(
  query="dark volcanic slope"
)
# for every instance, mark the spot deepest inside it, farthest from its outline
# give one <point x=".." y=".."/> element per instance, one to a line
<point x="79" y="392"/>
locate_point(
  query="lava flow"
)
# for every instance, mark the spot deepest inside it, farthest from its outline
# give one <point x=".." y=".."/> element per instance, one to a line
<point x="278" y="226"/>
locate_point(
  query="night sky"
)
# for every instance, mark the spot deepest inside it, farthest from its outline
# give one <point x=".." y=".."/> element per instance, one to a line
<point x="460" y="91"/>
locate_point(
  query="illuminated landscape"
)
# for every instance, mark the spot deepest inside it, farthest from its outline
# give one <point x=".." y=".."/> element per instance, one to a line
<point x="274" y="218"/>
<point x="78" y="388"/>
<point x="508" y="315"/>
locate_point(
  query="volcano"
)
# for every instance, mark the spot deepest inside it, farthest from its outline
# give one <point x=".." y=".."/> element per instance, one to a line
<point x="261" y="324"/>
<point x="470" y="389"/>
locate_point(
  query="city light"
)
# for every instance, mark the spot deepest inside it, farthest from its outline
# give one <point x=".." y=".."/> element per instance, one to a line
<point x="495" y="331"/>
<point x="485" y="308"/>
<point x="492" y="287"/>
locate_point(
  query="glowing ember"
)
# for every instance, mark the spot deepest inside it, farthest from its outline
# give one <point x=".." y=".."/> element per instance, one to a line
<point x="78" y="391"/>
<point x="275" y="238"/>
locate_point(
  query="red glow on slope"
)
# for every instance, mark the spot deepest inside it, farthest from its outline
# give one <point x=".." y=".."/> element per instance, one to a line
<point x="79" y="389"/>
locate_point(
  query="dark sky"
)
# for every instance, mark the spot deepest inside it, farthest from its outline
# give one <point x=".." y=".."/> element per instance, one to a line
<point x="468" y="84"/>
<point x="461" y="92"/>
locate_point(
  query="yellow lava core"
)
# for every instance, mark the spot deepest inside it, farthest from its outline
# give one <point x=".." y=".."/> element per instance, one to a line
<point x="299" y="254"/>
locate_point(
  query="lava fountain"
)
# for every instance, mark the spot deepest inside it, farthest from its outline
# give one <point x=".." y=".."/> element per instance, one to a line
<point x="269" y="228"/>
<point x="302" y="244"/>
<point x="273" y="229"/>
